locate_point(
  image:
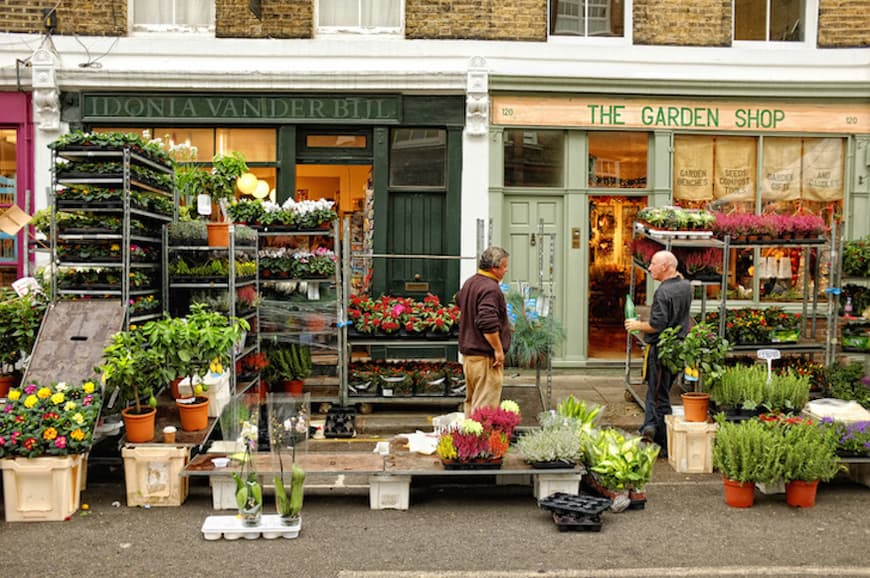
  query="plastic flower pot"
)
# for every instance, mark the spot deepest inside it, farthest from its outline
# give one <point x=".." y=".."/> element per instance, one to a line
<point x="739" y="495"/>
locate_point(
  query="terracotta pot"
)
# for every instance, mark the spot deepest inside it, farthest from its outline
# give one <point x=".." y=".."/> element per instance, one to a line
<point x="173" y="387"/>
<point x="193" y="416"/>
<point x="801" y="494"/>
<point x="7" y="382"/>
<point x="139" y="426"/>
<point x="294" y="386"/>
<point x="739" y="495"/>
<point x="695" y="404"/>
<point x="218" y="234"/>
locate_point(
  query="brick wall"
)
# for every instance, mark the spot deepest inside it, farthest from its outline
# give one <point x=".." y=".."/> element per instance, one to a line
<point x="844" y="23"/>
<point x="682" y="23"/>
<point x="519" y="20"/>
<point x="87" y="17"/>
<point x="285" y="19"/>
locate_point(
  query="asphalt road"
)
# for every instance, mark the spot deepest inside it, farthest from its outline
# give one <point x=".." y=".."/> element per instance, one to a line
<point x="686" y="530"/>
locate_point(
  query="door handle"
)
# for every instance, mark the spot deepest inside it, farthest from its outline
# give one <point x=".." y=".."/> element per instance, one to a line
<point x="533" y="241"/>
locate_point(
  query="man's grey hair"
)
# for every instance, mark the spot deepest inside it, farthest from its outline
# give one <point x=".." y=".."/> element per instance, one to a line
<point x="492" y="258"/>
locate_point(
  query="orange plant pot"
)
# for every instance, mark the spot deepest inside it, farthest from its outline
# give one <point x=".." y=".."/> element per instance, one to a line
<point x="294" y="386"/>
<point x="193" y="416"/>
<point x="801" y="494"/>
<point x="139" y="426"/>
<point x="739" y="495"/>
<point x="6" y="383"/>
<point x="218" y="234"/>
<point x="695" y="405"/>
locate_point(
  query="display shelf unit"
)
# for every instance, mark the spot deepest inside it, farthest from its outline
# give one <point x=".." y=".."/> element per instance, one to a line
<point x="305" y="309"/>
<point x="810" y="307"/>
<point x="118" y="239"/>
<point x="181" y="290"/>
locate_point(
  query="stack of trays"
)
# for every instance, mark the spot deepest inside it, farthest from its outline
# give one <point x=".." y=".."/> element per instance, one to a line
<point x="576" y="513"/>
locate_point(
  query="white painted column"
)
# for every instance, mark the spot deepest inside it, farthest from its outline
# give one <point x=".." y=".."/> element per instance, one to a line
<point x="475" y="164"/>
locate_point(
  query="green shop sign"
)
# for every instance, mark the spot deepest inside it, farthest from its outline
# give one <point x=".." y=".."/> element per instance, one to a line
<point x="251" y="109"/>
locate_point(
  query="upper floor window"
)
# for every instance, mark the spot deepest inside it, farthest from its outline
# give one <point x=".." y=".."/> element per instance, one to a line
<point x="769" y="20"/>
<point x="359" y="16"/>
<point x="172" y="15"/>
<point x="587" y="17"/>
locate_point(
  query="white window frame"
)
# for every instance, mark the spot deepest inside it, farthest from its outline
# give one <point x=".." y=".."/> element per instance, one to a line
<point x="810" y="18"/>
<point x="171" y="28"/>
<point x="626" y="39"/>
<point x="338" y="30"/>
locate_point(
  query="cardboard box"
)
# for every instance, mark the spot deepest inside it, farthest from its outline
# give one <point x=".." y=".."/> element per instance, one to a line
<point x="690" y="445"/>
<point x="153" y="474"/>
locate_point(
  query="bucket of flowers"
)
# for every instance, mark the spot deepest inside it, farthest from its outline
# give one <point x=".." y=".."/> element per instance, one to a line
<point x="481" y="440"/>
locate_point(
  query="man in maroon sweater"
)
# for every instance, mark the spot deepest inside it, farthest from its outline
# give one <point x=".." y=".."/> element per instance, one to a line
<point x="484" y="330"/>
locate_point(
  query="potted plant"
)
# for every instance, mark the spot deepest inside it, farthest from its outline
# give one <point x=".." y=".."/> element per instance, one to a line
<point x="249" y="492"/>
<point x="20" y="318"/>
<point x="809" y="455"/>
<point x="701" y="355"/>
<point x="533" y="337"/>
<point x="742" y="453"/>
<point x="226" y="169"/>
<point x="136" y="369"/>
<point x="558" y="446"/>
<point x="856" y="257"/>
<point x="740" y="388"/>
<point x="188" y="233"/>
<point x="620" y="464"/>
<point x="289" y="364"/>
<point x="481" y="441"/>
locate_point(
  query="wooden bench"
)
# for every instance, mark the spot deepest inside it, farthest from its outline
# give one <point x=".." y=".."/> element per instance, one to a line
<point x="389" y="476"/>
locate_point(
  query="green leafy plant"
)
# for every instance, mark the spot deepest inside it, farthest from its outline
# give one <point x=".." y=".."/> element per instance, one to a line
<point x="743" y="451"/>
<point x="621" y="462"/>
<point x="135" y="368"/>
<point x="701" y="349"/>
<point x="856" y="257"/>
<point x="533" y="337"/>
<point x="288" y="362"/>
<point x="225" y="170"/>
<point x="190" y="233"/>
<point x="559" y="444"/>
<point x="20" y="319"/>
<point x="809" y="451"/>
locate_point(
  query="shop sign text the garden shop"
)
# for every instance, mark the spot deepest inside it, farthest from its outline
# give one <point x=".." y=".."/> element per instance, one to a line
<point x="680" y="115"/>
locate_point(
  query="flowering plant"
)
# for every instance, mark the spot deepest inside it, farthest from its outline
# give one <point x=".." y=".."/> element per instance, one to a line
<point x="54" y="420"/>
<point x="483" y="436"/>
<point x="388" y="314"/>
<point x="852" y="438"/>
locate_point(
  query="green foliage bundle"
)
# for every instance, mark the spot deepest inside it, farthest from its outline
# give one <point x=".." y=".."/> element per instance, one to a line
<point x="533" y="337"/>
<point x="844" y="382"/>
<point x="621" y="462"/>
<point x="809" y="452"/>
<point x="20" y="319"/>
<point x="557" y="444"/>
<point x="741" y="451"/>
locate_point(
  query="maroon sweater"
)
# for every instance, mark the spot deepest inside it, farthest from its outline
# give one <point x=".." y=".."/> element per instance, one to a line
<point x="483" y="310"/>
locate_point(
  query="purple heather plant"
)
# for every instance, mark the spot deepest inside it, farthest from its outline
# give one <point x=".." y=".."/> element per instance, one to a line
<point x="853" y="438"/>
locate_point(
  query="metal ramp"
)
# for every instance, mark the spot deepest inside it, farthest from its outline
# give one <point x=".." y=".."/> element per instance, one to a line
<point x="71" y="340"/>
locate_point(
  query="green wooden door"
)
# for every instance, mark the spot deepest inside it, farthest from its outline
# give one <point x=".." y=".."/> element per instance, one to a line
<point x="417" y="225"/>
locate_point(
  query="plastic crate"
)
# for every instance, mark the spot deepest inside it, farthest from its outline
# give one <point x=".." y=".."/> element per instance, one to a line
<point x="690" y="445"/>
<point x="223" y="493"/>
<point x="548" y="484"/>
<point x="152" y="474"/>
<point x="43" y="489"/>
<point x="389" y="492"/>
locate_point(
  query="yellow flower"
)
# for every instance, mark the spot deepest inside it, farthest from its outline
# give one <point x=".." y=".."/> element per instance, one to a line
<point x="78" y="418"/>
<point x="43" y="393"/>
<point x="57" y="398"/>
<point x="77" y="435"/>
<point x="49" y="434"/>
<point x="14" y="395"/>
<point x="88" y="386"/>
<point x="30" y="401"/>
<point x="70" y="405"/>
<point x="115" y="247"/>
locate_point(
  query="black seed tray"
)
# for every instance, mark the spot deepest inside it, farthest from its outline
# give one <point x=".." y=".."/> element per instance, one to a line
<point x="561" y="503"/>
<point x="638" y="504"/>
<point x="573" y="523"/>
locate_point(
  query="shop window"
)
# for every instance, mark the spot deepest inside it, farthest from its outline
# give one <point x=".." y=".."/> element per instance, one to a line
<point x="769" y="20"/>
<point x="384" y="16"/>
<point x="336" y="141"/>
<point x="534" y="158"/>
<point x="258" y="145"/>
<point x="618" y="160"/>
<point x="715" y="171"/>
<point x="172" y="15"/>
<point x="587" y="18"/>
<point x="418" y="157"/>
<point x="8" y="166"/>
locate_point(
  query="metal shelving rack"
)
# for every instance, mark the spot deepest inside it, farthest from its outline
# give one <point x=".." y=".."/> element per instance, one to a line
<point x="229" y="286"/>
<point x="809" y="308"/>
<point x="323" y="392"/>
<point x="128" y="182"/>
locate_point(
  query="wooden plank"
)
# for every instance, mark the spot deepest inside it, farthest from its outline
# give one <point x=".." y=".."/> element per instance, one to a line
<point x="313" y="463"/>
<point x="72" y="338"/>
<point x="420" y="465"/>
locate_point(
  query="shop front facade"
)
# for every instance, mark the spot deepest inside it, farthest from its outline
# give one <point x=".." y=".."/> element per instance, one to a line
<point x="579" y="167"/>
<point x="16" y="181"/>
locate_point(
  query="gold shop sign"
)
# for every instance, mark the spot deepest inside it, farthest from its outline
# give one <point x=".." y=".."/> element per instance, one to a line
<point x="595" y="112"/>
